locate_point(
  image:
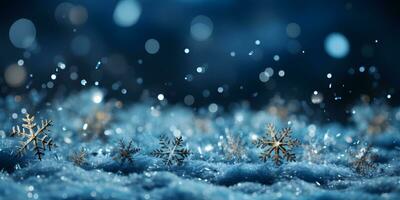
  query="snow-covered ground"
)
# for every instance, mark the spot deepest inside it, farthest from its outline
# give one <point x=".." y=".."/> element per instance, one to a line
<point x="224" y="163"/>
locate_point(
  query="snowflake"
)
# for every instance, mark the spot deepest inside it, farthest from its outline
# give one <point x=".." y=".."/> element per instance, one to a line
<point x="125" y="152"/>
<point x="171" y="151"/>
<point x="33" y="138"/>
<point x="278" y="143"/>
<point x="79" y="157"/>
<point x="233" y="147"/>
<point x="363" y="162"/>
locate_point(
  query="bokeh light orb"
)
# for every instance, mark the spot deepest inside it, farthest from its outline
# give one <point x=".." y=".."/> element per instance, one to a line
<point x="15" y="75"/>
<point x="152" y="46"/>
<point x="293" y="30"/>
<point x="201" y="28"/>
<point x="337" y="45"/>
<point x="78" y="15"/>
<point x="62" y="12"/>
<point x="127" y="13"/>
<point x="80" y="45"/>
<point x="22" y="33"/>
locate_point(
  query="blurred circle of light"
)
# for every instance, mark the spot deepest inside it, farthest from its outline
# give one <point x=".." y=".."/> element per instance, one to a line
<point x="152" y="46"/>
<point x="78" y="15"/>
<point x="264" y="77"/>
<point x="15" y="75"/>
<point x="127" y="13"/>
<point x="97" y="97"/>
<point x="80" y="45"/>
<point x="22" y="33"/>
<point x="293" y="30"/>
<point x="201" y="28"/>
<point x="337" y="45"/>
<point x="62" y="12"/>
<point x="189" y="100"/>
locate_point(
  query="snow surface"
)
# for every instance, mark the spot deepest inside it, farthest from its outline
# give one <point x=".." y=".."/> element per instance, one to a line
<point x="323" y="169"/>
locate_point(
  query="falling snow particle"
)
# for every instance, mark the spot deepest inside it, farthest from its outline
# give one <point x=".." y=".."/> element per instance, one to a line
<point x="160" y="97"/>
<point x="83" y="82"/>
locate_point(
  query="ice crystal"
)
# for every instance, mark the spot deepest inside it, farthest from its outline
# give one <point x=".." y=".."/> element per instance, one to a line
<point x="79" y="157"/>
<point x="35" y="137"/>
<point x="125" y="152"/>
<point x="364" y="160"/>
<point x="171" y="151"/>
<point x="279" y="143"/>
<point x="233" y="147"/>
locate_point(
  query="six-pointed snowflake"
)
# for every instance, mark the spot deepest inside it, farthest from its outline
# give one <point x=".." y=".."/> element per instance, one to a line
<point x="278" y="143"/>
<point x="35" y="137"/>
<point x="171" y="151"/>
<point x="79" y="157"/>
<point x="233" y="147"/>
<point x="126" y="152"/>
<point x="363" y="162"/>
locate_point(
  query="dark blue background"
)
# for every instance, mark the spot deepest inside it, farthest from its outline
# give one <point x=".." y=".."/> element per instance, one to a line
<point x="237" y="24"/>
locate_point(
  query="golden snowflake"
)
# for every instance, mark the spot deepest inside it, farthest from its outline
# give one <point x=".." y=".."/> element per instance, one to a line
<point x="35" y="137"/>
<point x="364" y="160"/>
<point x="278" y="143"/>
<point x="233" y="147"/>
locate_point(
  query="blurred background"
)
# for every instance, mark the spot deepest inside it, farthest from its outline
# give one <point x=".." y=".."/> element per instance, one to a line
<point x="325" y="55"/>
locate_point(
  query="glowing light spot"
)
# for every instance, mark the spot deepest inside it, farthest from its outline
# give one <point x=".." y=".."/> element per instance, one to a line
<point x="257" y="42"/>
<point x="264" y="77"/>
<point x="78" y="15"/>
<point x="329" y="75"/>
<point x="337" y="45"/>
<point x="127" y="13"/>
<point x="152" y="46"/>
<point x="201" y="28"/>
<point x="97" y="97"/>
<point x="281" y="73"/>
<point x="22" y="33"/>
<point x="276" y="57"/>
<point x="188" y="100"/>
<point x="160" y="97"/>
<point x="83" y="82"/>
<point x="15" y="75"/>
<point x="208" y="147"/>
<point x="317" y="98"/>
<point x="61" y="65"/>
<point x="98" y="64"/>
<point x="293" y="30"/>
<point x="212" y="108"/>
<point x="53" y="77"/>
<point x="220" y="89"/>
<point x="186" y="50"/>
